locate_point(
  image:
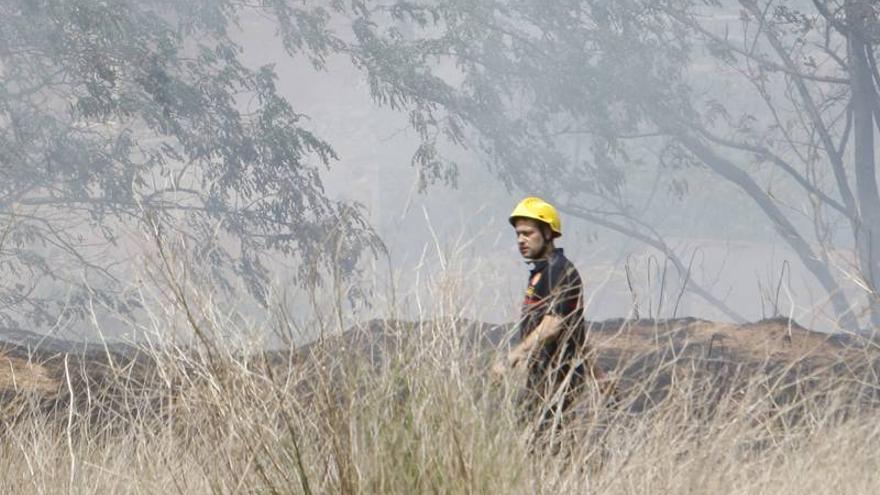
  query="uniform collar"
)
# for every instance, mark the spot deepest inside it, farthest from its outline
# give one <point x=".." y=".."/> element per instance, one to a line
<point x="540" y="264"/>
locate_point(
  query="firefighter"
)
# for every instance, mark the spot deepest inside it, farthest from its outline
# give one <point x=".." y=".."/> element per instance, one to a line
<point x="551" y="334"/>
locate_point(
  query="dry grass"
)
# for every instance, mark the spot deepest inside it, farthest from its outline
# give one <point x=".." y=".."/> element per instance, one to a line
<point x="405" y="408"/>
<point x="422" y="418"/>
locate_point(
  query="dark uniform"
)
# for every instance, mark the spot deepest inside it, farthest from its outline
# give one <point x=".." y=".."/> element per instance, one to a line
<point x="556" y="370"/>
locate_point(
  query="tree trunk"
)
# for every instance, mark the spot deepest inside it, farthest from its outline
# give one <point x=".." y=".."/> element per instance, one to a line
<point x="867" y="232"/>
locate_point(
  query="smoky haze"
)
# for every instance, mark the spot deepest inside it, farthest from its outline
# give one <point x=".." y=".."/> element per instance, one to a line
<point x="679" y="130"/>
<point x="734" y="252"/>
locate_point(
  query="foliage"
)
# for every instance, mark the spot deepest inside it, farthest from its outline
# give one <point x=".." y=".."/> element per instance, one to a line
<point x="126" y="115"/>
<point x="570" y="99"/>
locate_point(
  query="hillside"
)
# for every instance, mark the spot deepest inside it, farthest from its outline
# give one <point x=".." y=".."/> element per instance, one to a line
<point x="643" y="356"/>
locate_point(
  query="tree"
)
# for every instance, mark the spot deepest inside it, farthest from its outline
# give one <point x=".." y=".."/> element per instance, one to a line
<point x="124" y="114"/>
<point x="531" y="77"/>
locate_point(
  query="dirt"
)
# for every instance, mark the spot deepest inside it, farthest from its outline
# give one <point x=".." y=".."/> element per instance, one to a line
<point x="38" y="368"/>
<point x="19" y="375"/>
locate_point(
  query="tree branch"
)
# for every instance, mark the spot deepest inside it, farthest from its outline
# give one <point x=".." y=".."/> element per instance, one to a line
<point x="844" y="138"/>
<point x="779" y="162"/>
<point x="813" y="113"/>
<point x="876" y="77"/>
<point x="657" y="244"/>
<point x="783" y="226"/>
<point x="829" y="16"/>
<point x="790" y="70"/>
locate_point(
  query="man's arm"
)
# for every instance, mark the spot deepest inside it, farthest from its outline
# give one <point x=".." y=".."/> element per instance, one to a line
<point x="547" y="330"/>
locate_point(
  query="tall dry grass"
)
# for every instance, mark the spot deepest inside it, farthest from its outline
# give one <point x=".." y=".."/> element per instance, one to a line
<point x="212" y="416"/>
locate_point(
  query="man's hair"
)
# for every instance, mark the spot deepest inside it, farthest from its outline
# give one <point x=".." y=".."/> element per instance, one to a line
<point x="546" y="231"/>
<point x="544" y="227"/>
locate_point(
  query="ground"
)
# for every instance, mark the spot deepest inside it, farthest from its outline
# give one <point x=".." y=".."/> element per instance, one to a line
<point x="629" y="350"/>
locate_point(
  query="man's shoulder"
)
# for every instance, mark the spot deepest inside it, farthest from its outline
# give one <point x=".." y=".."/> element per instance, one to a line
<point x="562" y="269"/>
<point x="560" y="261"/>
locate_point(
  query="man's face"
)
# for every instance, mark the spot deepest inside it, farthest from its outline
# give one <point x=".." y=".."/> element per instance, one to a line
<point x="529" y="238"/>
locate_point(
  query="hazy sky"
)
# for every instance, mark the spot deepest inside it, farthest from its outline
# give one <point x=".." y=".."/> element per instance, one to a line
<point x="733" y="250"/>
<point x="457" y="241"/>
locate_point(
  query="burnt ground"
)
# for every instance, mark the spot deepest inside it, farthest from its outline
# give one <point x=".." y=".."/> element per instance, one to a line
<point x="644" y="357"/>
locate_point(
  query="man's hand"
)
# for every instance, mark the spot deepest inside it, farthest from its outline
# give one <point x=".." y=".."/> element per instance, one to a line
<point x="515" y="357"/>
<point x="504" y="364"/>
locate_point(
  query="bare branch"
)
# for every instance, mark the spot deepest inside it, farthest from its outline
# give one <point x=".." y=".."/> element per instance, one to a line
<point x="781" y="223"/>
<point x="787" y="69"/>
<point x="872" y="61"/>
<point x="827" y="48"/>
<point x="830" y="17"/>
<point x="658" y="244"/>
<point x="779" y="162"/>
<point x="813" y="112"/>
<point x="844" y="138"/>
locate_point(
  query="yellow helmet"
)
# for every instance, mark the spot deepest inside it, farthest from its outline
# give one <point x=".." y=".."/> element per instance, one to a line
<point x="540" y="210"/>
